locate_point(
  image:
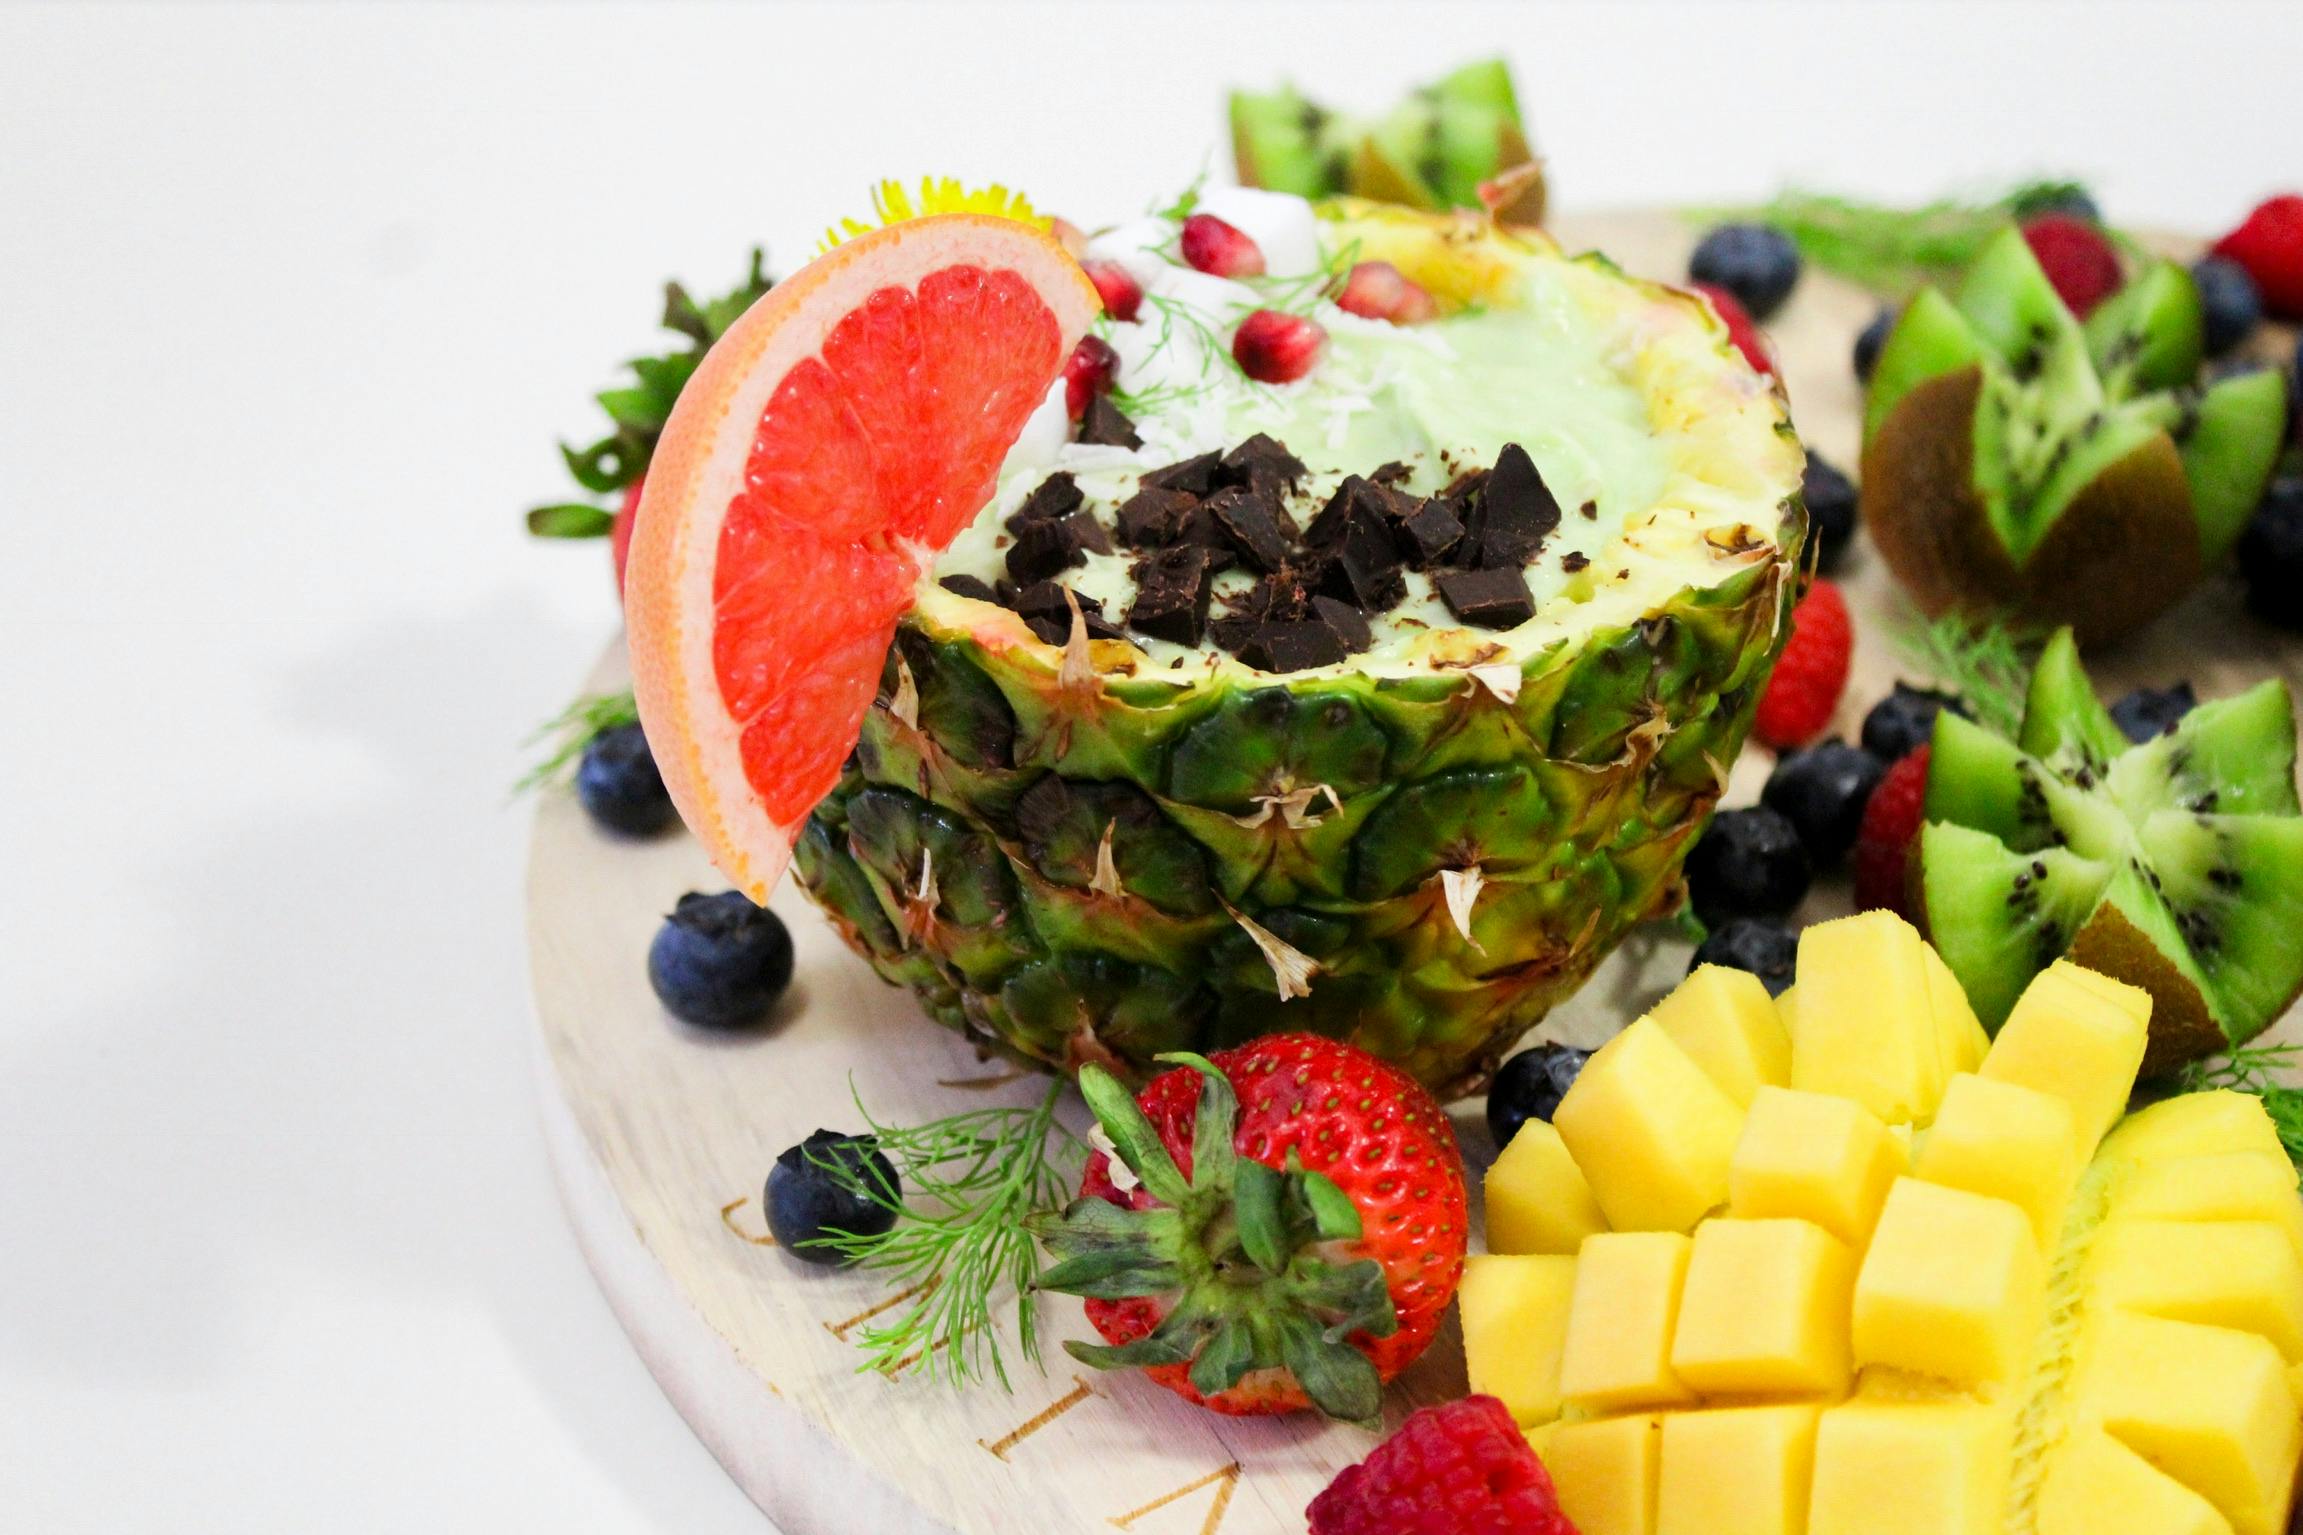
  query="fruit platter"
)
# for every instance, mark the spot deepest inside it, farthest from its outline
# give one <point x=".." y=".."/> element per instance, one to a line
<point x="1362" y="854"/>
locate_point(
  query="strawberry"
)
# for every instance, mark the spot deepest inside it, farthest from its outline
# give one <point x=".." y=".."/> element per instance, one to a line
<point x="1740" y="328"/>
<point x="620" y="532"/>
<point x="2077" y="259"/>
<point x="1460" y="1468"/>
<point x="2270" y="246"/>
<point x="1890" y="825"/>
<point x="1284" y="1227"/>
<point x="1804" y="691"/>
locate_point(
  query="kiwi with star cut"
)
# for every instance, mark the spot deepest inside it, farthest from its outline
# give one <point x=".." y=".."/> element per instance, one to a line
<point x="2175" y="865"/>
<point x="2019" y="464"/>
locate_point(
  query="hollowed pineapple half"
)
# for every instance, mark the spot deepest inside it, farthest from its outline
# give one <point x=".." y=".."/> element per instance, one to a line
<point x="1844" y="1267"/>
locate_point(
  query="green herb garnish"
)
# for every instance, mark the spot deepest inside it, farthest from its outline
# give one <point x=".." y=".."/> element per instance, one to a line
<point x="572" y="729"/>
<point x="1984" y="663"/>
<point x="2257" y="1069"/>
<point x="1889" y="249"/>
<point x="971" y="1181"/>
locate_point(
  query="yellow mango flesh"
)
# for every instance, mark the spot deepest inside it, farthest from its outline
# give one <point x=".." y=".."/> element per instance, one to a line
<point x="1921" y="1290"/>
<point x="1515" y="1311"/>
<point x="1538" y="1200"/>
<point x="1650" y="1130"/>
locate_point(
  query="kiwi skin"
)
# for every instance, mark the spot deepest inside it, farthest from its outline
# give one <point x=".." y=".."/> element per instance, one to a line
<point x="2181" y="1027"/>
<point x="2125" y="549"/>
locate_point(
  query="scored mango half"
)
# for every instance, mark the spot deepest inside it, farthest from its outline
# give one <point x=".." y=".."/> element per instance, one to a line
<point x="1851" y="1267"/>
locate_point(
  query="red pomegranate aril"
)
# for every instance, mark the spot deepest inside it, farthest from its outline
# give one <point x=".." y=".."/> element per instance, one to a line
<point x="1377" y="290"/>
<point x="1091" y="370"/>
<point x="1221" y="249"/>
<point x="1123" y="296"/>
<point x="1275" y="348"/>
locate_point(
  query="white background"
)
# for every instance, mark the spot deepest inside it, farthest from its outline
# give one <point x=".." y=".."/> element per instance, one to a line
<point x="293" y="304"/>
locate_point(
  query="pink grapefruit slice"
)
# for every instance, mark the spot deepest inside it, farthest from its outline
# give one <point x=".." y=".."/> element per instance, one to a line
<point x="831" y="444"/>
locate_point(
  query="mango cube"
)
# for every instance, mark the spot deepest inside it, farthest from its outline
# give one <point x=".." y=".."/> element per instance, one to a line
<point x="1726" y="1022"/>
<point x="2009" y="1142"/>
<point x="2195" y="1125"/>
<point x="2224" y="1186"/>
<point x="2208" y="1406"/>
<point x="2094" y="1485"/>
<point x="1815" y="1158"/>
<point x="1650" y="1130"/>
<point x="1764" y="1310"/>
<point x="1538" y="1200"/>
<point x="1619" y="1331"/>
<point x="1865" y="1026"/>
<point x="2080" y="1037"/>
<point x="2237" y="1274"/>
<point x="1514" y="1326"/>
<point x="1606" y="1473"/>
<point x="1909" y="1468"/>
<point x="1959" y="1035"/>
<point x="1737" y="1471"/>
<point x="1951" y="1286"/>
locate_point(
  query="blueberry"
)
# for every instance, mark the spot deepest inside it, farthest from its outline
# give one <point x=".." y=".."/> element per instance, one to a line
<point x="2149" y="712"/>
<point x="1822" y="791"/>
<point x="2228" y="301"/>
<point x="1749" y="863"/>
<point x="719" y="961"/>
<point x="2066" y="198"/>
<point x="1830" y="497"/>
<point x="2271" y="555"/>
<point x="1768" y="950"/>
<point x="1755" y="262"/>
<point x="618" y="785"/>
<point x="1904" y="720"/>
<point x="807" y="1200"/>
<point x="1871" y="341"/>
<point x="1529" y="1086"/>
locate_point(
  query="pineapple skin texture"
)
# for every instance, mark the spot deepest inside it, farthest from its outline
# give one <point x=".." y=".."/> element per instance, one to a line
<point x="1578" y="799"/>
<point x="2058" y="1321"/>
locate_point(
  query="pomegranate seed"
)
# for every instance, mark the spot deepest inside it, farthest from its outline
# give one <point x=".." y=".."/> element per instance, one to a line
<point x="1275" y="348"/>
<point x="1216" y="247"/>
<point x="1091" y="370"/>
<point x="1123" y="295"/>
<point x="1377" y="290"/>
<point x="1740" y="329"/>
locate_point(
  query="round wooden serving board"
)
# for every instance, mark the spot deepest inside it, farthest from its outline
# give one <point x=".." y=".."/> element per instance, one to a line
<point x="662" y="1136"/>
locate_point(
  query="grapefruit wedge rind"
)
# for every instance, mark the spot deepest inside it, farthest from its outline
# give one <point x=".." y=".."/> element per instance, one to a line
<point x="827" y="449"/>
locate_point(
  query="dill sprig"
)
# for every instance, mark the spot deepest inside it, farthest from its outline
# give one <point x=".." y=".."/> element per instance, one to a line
<point x="971" y="1181"/>
<point x="2258" y="1069"/>
<point x="1889" y="249"/>
<point x="572" y="729"/>
<point x="1984" y="663"/>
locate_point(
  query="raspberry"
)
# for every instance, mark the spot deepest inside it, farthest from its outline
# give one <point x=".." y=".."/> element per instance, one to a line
<point x="1740" y="328"/>
<point x="1461" y="1468"/>
<point x="2270" y="246"/>
<point x="1804" y="691"/>
<point x="1275" y="348"/>
<point x="2077" y="259"/>
<point x="1883" y="847"/>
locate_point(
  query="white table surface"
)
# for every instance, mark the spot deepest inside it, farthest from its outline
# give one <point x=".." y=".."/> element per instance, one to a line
<point x="293" y="303"/>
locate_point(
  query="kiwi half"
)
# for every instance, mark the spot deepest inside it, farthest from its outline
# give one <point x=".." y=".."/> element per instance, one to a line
<point x="1431" y="151"/>
<point x="2019" y="463"/>
<point x="2176" y="865"/>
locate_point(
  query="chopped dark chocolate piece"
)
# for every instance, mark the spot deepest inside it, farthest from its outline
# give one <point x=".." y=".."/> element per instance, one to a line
<point x="1390" y="474"/>
<point x="1348" y="622"/>
<point x="1517" y="512"/>
<point x="1429" y="532"/>
<point x="1277" y="647"/>
<point x="1046" y="545"/>
<point x="1172" y="594"/>
<point x="1054" y="496"/>
<point x="1255" y="524"/>
<point x="1464" y="488"/>
<point x="1233" y="630"/>
<point x="1262" y="461"/>
<point x="1154" y="517"/>
<point x="1104" y="426"/>
<point x="1042" y="607"/>
<point x="1590" y="509"/>
<point x="1488" y="599"/>
<point x="1370" y="588"/>
<point x="1573" y="561"/>
<point x="969" y="586"/>
<point x="1194" y="476"/>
